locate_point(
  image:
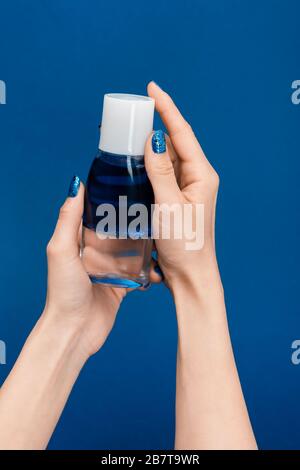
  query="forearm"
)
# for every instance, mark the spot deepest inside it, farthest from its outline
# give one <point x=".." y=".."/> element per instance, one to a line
<point x="210" y="408"/>
<point x="34" y="394"/>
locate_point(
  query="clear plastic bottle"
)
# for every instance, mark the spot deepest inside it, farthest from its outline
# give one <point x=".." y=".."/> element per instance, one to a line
<point x="117" y="178"/>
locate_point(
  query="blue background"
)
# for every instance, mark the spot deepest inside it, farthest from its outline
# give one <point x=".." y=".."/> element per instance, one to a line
<point x="229" y="65"/>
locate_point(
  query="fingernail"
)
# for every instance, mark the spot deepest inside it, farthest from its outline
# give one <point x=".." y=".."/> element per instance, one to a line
<point x="74" y="186"/>
<point x="158" y="142"/>
<point x="158" y="271"/>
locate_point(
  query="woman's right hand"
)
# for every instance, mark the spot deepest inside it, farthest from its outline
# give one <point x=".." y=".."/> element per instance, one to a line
<point x="180" y="174"/>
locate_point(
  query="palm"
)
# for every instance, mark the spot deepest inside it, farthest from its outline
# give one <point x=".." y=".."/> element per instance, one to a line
<point x="75" y="297"/>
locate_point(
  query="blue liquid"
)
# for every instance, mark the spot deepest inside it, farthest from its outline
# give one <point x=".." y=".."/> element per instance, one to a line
<point x="117" y="262"/>
<point x="112" y="176"/>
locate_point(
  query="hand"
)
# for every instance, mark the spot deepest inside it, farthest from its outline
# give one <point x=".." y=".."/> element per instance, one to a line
<point x="76" y="321"/>
<point x="72" y="300"/>
<point x="180" y="173"/>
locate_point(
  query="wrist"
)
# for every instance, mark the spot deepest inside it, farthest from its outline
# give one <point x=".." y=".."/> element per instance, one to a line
<point x="62" y="334"/>
<point x="199" y="300"/>
<point x="200" y="280"/>
<point x="200" y="310"/>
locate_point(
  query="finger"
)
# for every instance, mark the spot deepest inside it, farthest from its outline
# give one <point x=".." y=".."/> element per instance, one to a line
<point x="174" y="159"/>
<point x="145" y="287"/>
<point x="171" y="150"/>
<point x="65" y="236"/>
<point x="156" y="275"/>
<point x="79" y="234"/>
<point x="183" y="138"/>
<point x="160" y="169"/>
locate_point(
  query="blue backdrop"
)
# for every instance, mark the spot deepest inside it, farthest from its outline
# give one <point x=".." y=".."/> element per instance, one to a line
<point x="229" y="65"/>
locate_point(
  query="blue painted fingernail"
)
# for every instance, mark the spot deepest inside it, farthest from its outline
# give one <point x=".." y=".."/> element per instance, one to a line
<point x="158" y="142"/>
<point x="74" y="186"/>
<point x="158" y="271"/>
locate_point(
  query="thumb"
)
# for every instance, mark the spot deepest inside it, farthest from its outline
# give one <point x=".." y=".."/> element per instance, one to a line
<point x="64" y="240"/>
<point x="160" y="169"/>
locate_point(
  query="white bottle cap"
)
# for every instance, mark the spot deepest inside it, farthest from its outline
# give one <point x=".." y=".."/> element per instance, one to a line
<point x="127" y="122"/>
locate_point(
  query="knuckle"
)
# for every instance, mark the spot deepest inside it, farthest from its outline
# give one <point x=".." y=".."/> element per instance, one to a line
<point x="188" y="126"/>
<point x="183" y="129"/>
<point x="49" y="248"/>
<point x="167" y="98"/>
<point x="167" y="171"/>
<point x="63" y="212"/>
<point x="214" y="179"/>
<point x="53" y="248"/>
<point x="164" y="168"/>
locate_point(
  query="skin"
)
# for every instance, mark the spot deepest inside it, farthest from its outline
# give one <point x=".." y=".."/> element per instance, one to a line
<point x="78" y="316"/>
<point x="210" y="409"/>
